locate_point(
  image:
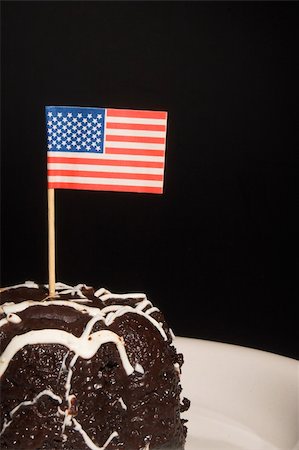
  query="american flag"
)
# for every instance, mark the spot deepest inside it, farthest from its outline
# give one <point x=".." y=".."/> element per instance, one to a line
<point x="106" y="149"/>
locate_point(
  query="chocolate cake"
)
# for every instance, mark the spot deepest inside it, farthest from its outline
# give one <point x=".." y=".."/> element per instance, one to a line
<point x="87" y="369"/>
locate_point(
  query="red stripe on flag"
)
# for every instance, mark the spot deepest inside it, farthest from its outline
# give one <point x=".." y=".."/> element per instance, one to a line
<point x="122" y="175"/>
<point x="104" y="162"/>
<point x="106" y="187"/>
<point x="133" y="151"/>
<point x="136" y="113"/>
<point x="143" y="139"/>
<point x="135" y="126"/>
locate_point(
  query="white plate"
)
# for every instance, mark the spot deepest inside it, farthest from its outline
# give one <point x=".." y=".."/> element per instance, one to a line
<point x="241" y="399"/>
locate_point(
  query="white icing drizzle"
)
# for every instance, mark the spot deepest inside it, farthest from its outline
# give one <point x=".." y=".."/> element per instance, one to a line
<point x="87" y="439"/>
<point x="84" y="346"/>
<point x="123" y="405"/>
<point x="27" y="284"/>
<point x="69" y="377"/>
<point x="63" y="288"/>
<point x="5" y="425"/>
<point x="116" y="310"/>
<point x="67" y="416"/>
<point x="14" y="318"/>
<point x="139" y="368"/>
<point x="63" y="366"/>
<point x="143" y="304"/>
<point x="68" y="421"/>
<point x="127" y="309"/>
<point x="177" y="368"/>
<point x="101" y="292"/>
<point x="151" y="310"/>
<point x="85" y="335"/>
<point x="11" y="318"/>
<point x="27" y="403"/>
<point x="31" y="402"/>
<point x="94" y="340"/>
<point x="111" y="308"/>
<point x="9" y="308"/>
<point x="104" y="295"/>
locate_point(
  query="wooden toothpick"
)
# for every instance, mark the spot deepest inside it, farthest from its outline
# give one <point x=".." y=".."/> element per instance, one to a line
<point x="51" y="241"/>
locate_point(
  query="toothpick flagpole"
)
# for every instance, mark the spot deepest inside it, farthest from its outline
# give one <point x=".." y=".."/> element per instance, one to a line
<point x="51" y="240"/>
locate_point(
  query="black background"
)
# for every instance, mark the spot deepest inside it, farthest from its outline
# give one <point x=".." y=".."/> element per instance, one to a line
<point x="217" y="251"/>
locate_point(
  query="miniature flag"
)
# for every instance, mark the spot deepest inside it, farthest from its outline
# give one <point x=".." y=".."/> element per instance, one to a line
<point x="106" y="149"/>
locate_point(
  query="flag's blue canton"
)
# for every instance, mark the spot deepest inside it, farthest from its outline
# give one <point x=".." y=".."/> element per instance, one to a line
<point x="72" y="129"/>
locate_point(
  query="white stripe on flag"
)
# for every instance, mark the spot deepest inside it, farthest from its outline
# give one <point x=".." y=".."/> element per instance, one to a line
<point x="105" y="168"/>
<point x="111" y="181"/>
<point x="137" y="120"/>
<point x="100" y="156"/>
<point x="135" y="145"/>
<point x="142" y="133"/>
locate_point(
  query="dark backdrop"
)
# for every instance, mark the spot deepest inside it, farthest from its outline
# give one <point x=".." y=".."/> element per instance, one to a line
<point x="217" y="251"/>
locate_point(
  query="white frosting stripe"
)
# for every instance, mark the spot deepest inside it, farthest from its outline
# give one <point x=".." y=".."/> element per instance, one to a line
<point x="139" y="368"/>
<point x="115" y="311"/>
<point x="69" y="377"/>
<point x="87" y="439"/>
<point x="84" y="346"/>
<point x="141" y="305"/>
<point x="12" y="318"/>
<point x="32" y="402"/>
<point x="127" y="309"/>
<point x="101" y="291"/>
<point x="121" y="296"/>
<point x="27" y="284"/>
<point x="104" y="295"/>
<point x="70" y="420"/>
<point x="151" y="310"/>
<point x="5" y="425"/>
<point x="73" y="290"/>
<point x="28" y="403"/>
<point x="63" y="366"/>
<point x="9" y="308"/>
<point x="123" y="405"/>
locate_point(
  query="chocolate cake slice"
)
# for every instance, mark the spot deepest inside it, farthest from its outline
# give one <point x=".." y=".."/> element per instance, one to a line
<point x="87" y="369"/>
